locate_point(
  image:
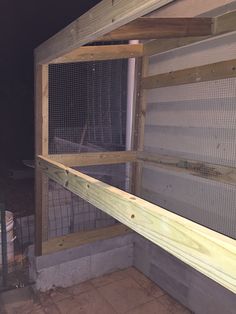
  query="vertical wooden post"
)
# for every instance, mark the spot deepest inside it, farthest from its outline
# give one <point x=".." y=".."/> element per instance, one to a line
<point x="41" y="148"/>
<point x="140" y="114"/>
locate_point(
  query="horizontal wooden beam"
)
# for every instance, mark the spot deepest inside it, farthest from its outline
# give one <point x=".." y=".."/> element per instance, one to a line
<point x="162" y="45"/>
<point x="209" y="72"/>
<point x="106" y="16"/>
<point x="205" y="170"/>
<point x="222" y="24"/>
<point x="96" y="53"/>
<point x="153" y="28"/>
<point x="209" y="252"/>
<point x="89" y="159"/>
<point x="80" y="238"/>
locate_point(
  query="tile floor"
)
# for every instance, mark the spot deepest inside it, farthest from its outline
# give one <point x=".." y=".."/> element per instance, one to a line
<point x="127" y="291"/>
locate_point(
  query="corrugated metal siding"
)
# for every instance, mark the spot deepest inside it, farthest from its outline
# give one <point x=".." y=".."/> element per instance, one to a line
<point x="193" y="121"/>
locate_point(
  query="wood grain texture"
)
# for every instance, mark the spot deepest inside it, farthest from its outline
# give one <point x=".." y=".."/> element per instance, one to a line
<point x="89" y="159"/>
<point x="97" y="53"/>
<point x="162" y="45"/>
<point x="190" y="8"/>
<point x="225" y="23"/>
<point x="139" y="122"/>
<point x="201" y="169"/>
<point x="209" y="72"/>
<point x="41" y="147"/>
<point x="100" y="20"/>
<point x="153" y="28"/>
<point x="80" y="238"/>
<point x="207" y="251"/>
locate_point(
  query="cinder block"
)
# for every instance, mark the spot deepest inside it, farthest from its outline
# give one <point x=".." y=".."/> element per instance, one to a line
<point x="177" y="289"/>
<point x="76" y="265"/>
<point x="64" y="275"/>
<point x="109" y="261"/>
<point x="142" y="254"/>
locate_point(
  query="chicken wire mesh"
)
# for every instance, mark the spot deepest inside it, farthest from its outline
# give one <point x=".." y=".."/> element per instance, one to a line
<point x="194" y="122"/>
<point x="87" y="113"/>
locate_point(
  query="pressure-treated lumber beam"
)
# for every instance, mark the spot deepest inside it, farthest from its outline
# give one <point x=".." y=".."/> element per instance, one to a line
<point x="41" y="147"/>
<point x="224" y="23"/>
<point x="221" y="24"/>
<point x="207" y="251"/>
<point x="110" y="52"/>
<point x="205" y="170"/>
<point x="139" y="122"/>
<point x="209" y="72"/>
<point x="162" y="45"/>
<point x="76" y="239"/>
<point x="89" y="159"/>
<point x="100" y="20"/>
<point x="153" y="28"/>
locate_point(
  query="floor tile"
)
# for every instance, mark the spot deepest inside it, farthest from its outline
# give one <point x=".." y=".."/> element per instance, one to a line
<point x="124" y="294"/>
<point x="153" y="307"/>
<point x="108" y="279"/>
<point x="90" y="302"/>
<point x="15" y="299"/>
<point x="59" y="294"/>
<point x="172" y="305"/>
<point x="80" y="288"/>
<point x="151" y="288"/>
<point x="51" y="309"/>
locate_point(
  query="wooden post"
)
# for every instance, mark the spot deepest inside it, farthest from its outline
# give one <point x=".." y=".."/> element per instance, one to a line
<point x="140" y="113"/>
<point x="41" y="147"/>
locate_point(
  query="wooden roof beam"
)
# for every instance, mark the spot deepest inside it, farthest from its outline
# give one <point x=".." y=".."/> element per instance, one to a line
<point x="98" y="53"/>
<point x="106" y="16"/>
<point x="154" y="28"/>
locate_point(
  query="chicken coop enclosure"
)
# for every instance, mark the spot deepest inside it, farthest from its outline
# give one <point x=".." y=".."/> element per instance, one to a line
<point x="175" y="184"/>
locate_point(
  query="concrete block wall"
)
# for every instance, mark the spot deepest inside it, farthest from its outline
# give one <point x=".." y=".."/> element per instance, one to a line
<point x="191" y="288"/>
<point x="194" y="290"/>
<point x="73" y="266"/>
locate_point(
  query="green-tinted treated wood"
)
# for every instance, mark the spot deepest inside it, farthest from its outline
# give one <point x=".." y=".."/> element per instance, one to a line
<point x="201" y="169"/>
<point x="83" y="237"/>
<point x="105" y="17"/>
<point x="89" y="159"/>
<point x="221" y="24"/>
<point x="151" y="28"/>
<point x="207" y="251"/>
<point x="41" y="147"/>
<point x="162" y="45"/>
<point x="96" y="53"/>
<point x="209" y="72"/>
<point x="225" y="23"/>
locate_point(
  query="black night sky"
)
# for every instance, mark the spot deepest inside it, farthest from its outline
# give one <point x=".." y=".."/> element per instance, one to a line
<point x="24" y="25"/>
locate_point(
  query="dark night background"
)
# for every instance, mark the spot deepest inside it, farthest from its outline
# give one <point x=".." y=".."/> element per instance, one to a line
<point x="25" y="25"/>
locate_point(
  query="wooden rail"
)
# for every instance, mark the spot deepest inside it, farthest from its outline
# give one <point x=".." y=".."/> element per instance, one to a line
<point x="100" y="20"/>
<point x="209" y="72"/>
<point x="98" y="53"/>
<point x="89" y="159"/>
<point x="207" y="251"/>
<point x="76" y="239"/>
<point x="151" y="28"/>
<point x="219" y="173"/>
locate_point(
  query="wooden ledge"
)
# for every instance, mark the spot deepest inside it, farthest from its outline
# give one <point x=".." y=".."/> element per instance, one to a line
<point x="77" y="239"/>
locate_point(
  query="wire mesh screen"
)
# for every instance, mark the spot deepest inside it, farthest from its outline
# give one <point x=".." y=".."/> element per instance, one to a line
<point x="194" y="122"/>
<point x="69" y="213"/>
<point x="16" y="230"/>
<point x="87" y="113"/>
<point x="87" y="106"/>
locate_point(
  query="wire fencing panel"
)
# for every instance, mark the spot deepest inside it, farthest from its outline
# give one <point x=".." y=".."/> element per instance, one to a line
<point x="193" y="122"/>
<point x="87" y="113"/>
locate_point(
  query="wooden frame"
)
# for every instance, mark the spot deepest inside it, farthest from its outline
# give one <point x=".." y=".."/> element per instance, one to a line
<point x="207" y="251"/>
